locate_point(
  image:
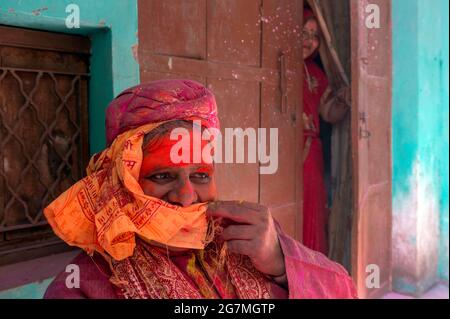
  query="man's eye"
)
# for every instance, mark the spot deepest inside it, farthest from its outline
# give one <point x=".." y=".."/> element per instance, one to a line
<point x="204" y="177"/>
<point x="160" y="177"/>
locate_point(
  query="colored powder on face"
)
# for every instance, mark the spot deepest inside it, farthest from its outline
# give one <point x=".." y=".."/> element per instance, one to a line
<point x="165" y="153"/>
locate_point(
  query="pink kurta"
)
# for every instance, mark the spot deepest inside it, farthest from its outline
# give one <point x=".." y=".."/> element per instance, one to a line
<point x="150" y="272"/>
<point x="310" y="275"/>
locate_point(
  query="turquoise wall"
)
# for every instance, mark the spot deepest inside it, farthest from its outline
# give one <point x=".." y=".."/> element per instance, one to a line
<point x="420" y="143"/>
<point x="434" y="99"/>
<point x="111" y="26"/>
<point x="443" y="150"/>
<point x="35" y="290"/>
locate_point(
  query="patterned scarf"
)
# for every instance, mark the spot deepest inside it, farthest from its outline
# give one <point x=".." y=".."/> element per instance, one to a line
<point x="151" y="274"/>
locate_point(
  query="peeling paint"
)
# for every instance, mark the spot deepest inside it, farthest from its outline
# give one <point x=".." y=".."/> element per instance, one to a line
<point x="416" y="232"/>
<point x="134" y="51"/>
<point x="37" y="12"/>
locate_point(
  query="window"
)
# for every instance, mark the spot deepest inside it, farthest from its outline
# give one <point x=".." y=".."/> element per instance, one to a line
<point x="43" y="134"/>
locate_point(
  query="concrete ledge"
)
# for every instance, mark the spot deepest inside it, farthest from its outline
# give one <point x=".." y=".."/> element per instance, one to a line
<point x="35" y="270"/>
<point x="439" y="291"/>
<point x="34" y="290"/>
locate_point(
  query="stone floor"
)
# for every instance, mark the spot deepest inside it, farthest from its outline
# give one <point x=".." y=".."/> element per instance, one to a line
<point x="439" y="291"/>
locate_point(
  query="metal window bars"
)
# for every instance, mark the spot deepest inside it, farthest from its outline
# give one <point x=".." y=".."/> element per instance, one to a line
<point x="47" y="169"/>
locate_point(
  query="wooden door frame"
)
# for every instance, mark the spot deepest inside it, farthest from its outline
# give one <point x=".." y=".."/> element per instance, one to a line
<point x="300" y="143"/>
<point x="362" y="41"/>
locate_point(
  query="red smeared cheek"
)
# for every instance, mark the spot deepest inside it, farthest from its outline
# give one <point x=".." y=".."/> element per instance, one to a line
<point x="185" y="188"/>
<point x="147" y="186"/>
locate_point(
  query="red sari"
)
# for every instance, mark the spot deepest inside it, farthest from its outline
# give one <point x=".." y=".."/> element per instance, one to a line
<point x="314" y="194"/>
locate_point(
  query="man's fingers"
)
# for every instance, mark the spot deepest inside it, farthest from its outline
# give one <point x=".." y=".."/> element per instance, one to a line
<point x="243" y="247"/>
<point x="229" y="214"/>
<point x="235" y="211"/>
<point x="245" y="232"/>
<point x="242" y="203"/>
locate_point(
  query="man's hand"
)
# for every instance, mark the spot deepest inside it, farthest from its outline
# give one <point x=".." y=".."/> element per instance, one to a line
<point x="250" y="230"/>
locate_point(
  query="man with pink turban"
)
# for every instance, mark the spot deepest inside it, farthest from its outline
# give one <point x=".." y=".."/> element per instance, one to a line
<point x="153" y="228"/>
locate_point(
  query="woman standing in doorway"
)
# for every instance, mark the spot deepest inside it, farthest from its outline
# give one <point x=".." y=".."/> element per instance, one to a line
<point x="318" y="99"/>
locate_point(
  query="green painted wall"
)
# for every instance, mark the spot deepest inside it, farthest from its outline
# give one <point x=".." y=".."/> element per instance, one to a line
<point x="35" y="290"/>
<point x="111" y="26"/>
<point x="420" y="143"/>
<point x="443" y="150"/>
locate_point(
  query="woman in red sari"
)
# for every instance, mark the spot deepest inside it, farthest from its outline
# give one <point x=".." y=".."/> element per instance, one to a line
<point x="152" y="228"/>
<point x="318" y="99"/>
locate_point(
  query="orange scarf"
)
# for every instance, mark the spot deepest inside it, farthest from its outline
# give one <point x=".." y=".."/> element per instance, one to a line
<point x="104" y="211"/>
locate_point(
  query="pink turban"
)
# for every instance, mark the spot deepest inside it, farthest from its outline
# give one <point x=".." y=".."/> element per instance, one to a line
<point x="159" y="101"/>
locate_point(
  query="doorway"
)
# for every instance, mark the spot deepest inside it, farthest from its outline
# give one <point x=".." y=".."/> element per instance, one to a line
<point x="361" y="180"/>
<point x="247" y="53"/>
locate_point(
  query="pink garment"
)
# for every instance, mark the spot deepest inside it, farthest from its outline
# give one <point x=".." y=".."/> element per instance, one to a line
<point x="160" y="101"/>
<point x="310" y="276"/>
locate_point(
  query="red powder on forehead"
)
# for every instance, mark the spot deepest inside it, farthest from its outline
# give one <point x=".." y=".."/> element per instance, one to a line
<point x="205" y="169"/>
<point x="156" y="154"/>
